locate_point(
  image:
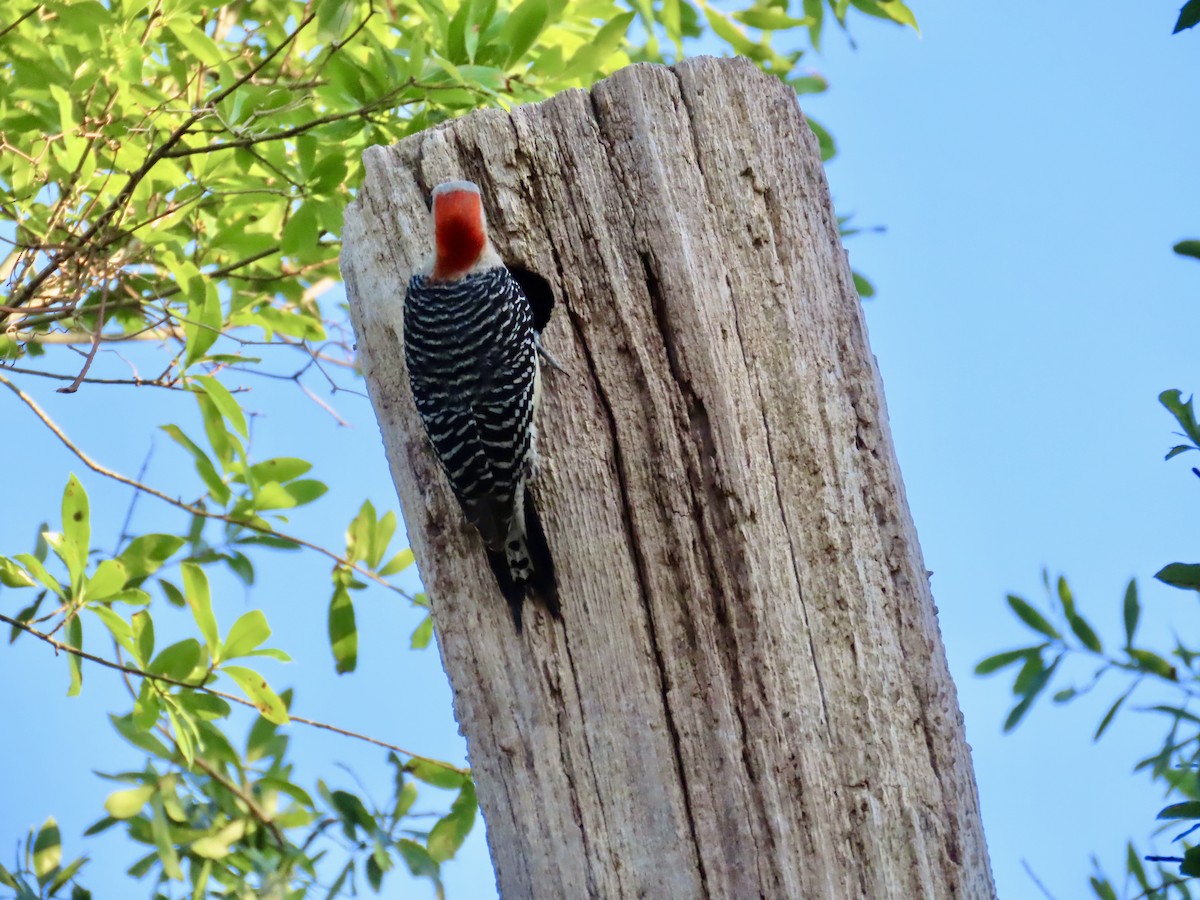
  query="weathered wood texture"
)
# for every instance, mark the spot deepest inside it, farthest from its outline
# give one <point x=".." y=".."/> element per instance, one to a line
<point x="747" y="695"/>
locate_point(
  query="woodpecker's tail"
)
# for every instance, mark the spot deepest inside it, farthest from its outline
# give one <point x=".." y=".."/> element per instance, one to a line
<point x="524" y="568"/>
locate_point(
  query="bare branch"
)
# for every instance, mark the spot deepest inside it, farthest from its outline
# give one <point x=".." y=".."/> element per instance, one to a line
<point x="91" y="357"/>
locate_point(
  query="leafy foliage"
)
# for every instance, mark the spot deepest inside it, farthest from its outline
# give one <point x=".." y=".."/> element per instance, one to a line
<point x="1176" y="761"/>
<point x="172" y="179"/>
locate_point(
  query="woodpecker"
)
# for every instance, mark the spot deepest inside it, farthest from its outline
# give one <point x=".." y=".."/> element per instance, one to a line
<point x="472" y="349"/>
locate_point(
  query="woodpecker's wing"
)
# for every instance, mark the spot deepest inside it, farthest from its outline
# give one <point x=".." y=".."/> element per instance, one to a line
<point x="473" y="367"/>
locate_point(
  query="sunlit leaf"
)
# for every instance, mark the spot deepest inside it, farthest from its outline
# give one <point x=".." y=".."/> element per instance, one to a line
<point x="47" y="850"/>
<point x="259" y="692"/>
<point x="452" y="829"/>
<point x="247" y="633"/>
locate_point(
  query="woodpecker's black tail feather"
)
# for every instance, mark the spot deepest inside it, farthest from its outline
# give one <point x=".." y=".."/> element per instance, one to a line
<point x="543" y="582"/>
<point x="535" y="576"/>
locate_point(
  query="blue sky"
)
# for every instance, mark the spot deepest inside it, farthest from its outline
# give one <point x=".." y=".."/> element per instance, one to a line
<point x="1032" y="163"/>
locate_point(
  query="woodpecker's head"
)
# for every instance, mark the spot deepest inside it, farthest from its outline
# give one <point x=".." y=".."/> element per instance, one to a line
<point x="460" y="231"/>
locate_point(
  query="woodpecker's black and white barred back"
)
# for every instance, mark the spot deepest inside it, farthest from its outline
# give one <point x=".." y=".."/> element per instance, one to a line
<point x="473" y="363"/>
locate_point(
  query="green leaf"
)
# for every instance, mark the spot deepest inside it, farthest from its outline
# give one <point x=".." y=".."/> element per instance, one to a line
<point x="250" y="630"/>
<point x="422" y="634"/>
<point x="197" y="43"/>
<point x="352" y="813"/>
<point x="301" y="232"/>
<point x="75" y="639"/>
<point x="76" y="525"/>
<point x="439" y="774"/>
<point x="306" y="490"/>
<point x="1189" y="16"/>
<point x="65" y="875"/>
<point x="143" y="637"/>
<point x="727" y="31"/>
<point x="1111" y="714"/>
<point x="1084" y="631"/>
<point x="1181" y="575"/>
<point x="265" y="700"/>
<point x="1191" y="862"/>
<point x="398" y="563"/>
<point x="1102" y="888"/>
<point x="343" y="631"/>
<point x="824" y="140"/>
<point x="1133" y="611"/>
<point x="47" y="850"/>
<point x="173" y="594"/>
<point x="894" y="10"/>
<point x="128" y="803"/>
<point x="204" y="466"/>
<point x="117" y="627"/>
<point x="1153" y="663"/>
<point x="1187" y="810"/>
<point x="202" y="326"/>
<point x="216" y="846"/>
<point x="1005" y="659"/>
<point x="195" y="588"/>
<point x="334" y="18"/>
<point x="34" y="567"/>
<point x="418" y="860"/>
<point x="177" y="661"/>
<point x="224" y="402"/>
<point x="109" y="578"/>
<point x="281" y="469"/>
<point x="592" y="55"/>
<point x="1184" y="413"/>
<point x="161" y="831"/>
<point x="1032" y="617"/>
<point x="374" y="873"/>
<point x="522" y="28"/>
<point x="13" y="576"/>
<point x="1035" y="687"/>
<point x="770" y="19"/>
<point x="184" y="732"/>
<point x="452" y="829"/>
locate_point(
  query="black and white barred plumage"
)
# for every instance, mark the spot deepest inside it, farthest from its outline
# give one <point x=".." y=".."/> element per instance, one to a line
<point x="472" y="359"/>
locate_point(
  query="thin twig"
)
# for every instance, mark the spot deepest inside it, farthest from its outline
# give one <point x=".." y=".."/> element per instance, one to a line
<point x="188" y="507"/>
<point x="1041" y="887"/>
<point x="133" y="500"/>
<point x="1150" y="892"/>
<point x="87" y="363"/>
<point x="166" y="679"/>
<point x="22" y="18"/>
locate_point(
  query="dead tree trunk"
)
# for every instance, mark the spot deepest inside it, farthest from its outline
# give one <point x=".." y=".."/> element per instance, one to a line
<point x="747" y="695"/>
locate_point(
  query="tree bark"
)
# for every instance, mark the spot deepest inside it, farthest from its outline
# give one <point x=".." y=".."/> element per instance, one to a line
<point x="747" y="695"/>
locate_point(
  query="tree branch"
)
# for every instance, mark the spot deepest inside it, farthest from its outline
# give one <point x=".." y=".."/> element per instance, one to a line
<point x="232" y="698"/>
<point x="23" y="296"/>
<point x="188" y="507"/>
<point x="7" y="28"/>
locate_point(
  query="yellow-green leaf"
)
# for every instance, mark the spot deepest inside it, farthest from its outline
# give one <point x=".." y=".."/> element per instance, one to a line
<point x="265" y="700"/>
<point x="127" y="804"/>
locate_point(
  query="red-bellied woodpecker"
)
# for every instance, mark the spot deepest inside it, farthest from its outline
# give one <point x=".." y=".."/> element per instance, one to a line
<point x="472" y="354"/>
